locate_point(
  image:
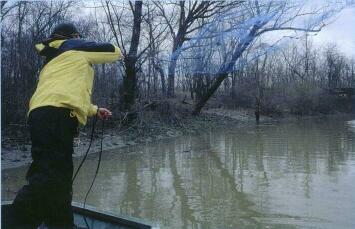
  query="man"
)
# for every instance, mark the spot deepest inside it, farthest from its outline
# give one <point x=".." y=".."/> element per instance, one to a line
<point x="61" y="101"/>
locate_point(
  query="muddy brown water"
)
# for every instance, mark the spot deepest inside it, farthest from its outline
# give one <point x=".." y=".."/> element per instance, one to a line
<point x="275" y="175"/>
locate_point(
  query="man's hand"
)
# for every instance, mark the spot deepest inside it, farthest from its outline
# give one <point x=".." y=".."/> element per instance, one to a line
<point x="104" y="113"/>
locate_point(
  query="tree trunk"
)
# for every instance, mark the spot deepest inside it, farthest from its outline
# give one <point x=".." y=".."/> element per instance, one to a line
<point x="215" y="85"/>
<point x="225" y="69"/>
<point x="162" y="77"/>
<point x="171" y="75"/>
<point x="234" y="85"/>
<point x="128" y="92"/>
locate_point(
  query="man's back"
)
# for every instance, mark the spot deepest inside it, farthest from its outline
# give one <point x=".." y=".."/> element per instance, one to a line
<point x="66" y="79"/>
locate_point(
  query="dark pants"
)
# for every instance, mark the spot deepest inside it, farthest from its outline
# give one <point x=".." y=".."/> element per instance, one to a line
<point x="48" y="194"/>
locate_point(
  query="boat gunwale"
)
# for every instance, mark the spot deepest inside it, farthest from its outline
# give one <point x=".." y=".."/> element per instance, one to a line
<point x="94" y="213"/>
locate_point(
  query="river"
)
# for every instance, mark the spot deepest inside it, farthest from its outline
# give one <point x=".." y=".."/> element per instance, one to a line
<point x="298" y="174"/>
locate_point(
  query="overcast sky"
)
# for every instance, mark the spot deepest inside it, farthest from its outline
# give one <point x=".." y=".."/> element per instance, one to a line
<point x="341" y="32"/>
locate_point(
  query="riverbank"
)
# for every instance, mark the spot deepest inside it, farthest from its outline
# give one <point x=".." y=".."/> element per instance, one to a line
<point x="16" y="148"/>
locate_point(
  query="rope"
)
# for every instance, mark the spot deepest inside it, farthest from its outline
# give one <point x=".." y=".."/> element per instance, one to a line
<point x="85" y="157"/>
<point x="87" y="151"/>
<point x="97" y="170"/>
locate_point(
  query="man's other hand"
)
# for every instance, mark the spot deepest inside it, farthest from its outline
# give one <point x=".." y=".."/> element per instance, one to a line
<point x="104" y="113"/>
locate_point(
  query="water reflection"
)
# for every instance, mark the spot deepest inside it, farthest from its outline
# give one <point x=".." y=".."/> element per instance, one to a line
<point x="292" y="175"/>
<point x="351" y="125"/>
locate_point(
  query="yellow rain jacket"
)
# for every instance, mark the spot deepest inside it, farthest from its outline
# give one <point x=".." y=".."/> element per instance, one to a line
<point x="66" y="79"/>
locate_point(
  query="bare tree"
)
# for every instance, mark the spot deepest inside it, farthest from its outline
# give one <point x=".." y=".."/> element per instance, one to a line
<point x="262" y="17"/>
<point x="137" y="48"/>
<point x="335" y="64"/>
<point x="189" y="13"/>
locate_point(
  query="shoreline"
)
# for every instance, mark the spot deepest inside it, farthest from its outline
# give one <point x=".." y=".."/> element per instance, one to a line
<point x="17" y="153"/>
